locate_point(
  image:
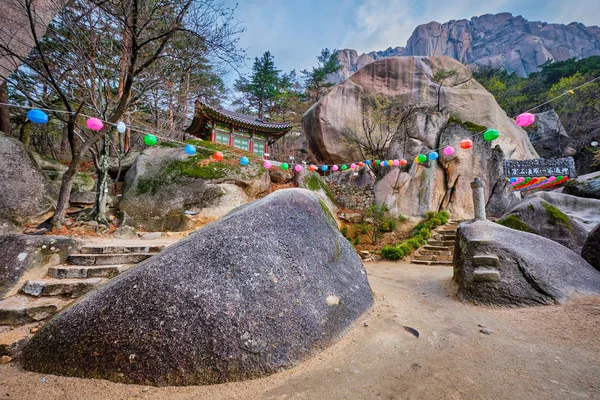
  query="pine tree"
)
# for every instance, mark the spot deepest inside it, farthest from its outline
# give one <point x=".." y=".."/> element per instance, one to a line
<point x="316" y="82"/>
<point x="261" y="89"/>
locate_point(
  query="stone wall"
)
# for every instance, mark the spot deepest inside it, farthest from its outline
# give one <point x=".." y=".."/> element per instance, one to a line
<point x="352" y="197"/>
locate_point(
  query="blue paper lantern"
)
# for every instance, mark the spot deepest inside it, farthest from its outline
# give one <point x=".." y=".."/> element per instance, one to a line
<point x="384" y="163"/>
<point x="37" y="116"/>
<point x="244" y="161"/>
<point x="190" y="149"/>
<point x="433" y="155"/>
<point x="368" y="162"/>
<point x="324" y="168"/>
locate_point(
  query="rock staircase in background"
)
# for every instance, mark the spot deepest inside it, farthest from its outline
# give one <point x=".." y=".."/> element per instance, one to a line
<point x="21" y="315"/>
<point x="439" y="249"/>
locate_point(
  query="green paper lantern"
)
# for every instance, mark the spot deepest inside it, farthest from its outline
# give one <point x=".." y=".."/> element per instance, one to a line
<point x="344" y="167"/>
<point x="377" y="162"/>
<point x="284" y="166"/>
<point x="560" y="178"/>
<point x="422" y="158"/>
<point x="150" y="140"/>
<point x="491" y="134"/>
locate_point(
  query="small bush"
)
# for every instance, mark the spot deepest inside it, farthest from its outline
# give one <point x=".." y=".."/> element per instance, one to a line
<point x="344" y="230"/>
<point x="402" y="218"/>
<point x="392" y="252"/>
<point x="421" y="240"/>
<point x="436" y="222"/>
<point x="425" y="233"/>
<point x="406" y="249"/>
<point x="388" y="226"/>
<point x="444" y="214"/>
<point x="356" y="240"/>
<point x="430" y="215"/>
<point x="413" y="243"/>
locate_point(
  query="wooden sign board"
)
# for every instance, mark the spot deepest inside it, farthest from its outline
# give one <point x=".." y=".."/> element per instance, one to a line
<point x="540" y="167"/>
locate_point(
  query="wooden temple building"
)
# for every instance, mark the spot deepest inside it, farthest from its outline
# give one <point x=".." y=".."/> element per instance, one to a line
<point x="245" y="132"/>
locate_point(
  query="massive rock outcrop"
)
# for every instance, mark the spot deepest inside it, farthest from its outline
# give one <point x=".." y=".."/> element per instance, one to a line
<point x="495" y="265"/>
<point x="591" y="249"/>
<point x="25" y="192"/>
<point x="163" y="183"/>
<point x="259" y="290"/>
<point x="338" y="123"/>
<point x="549" y="137"/>
<point x="500" y="41"/>
<point x="587" y="185"/>
<point x="582" y="210"/>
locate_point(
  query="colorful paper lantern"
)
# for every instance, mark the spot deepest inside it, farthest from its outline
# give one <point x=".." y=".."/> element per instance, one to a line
<point x="312" y="168"/>
<point x="377" y="162"/>
<point x="368" y="162"/>
<point x="267" y="164"/>
<point x="217" y="155"/>
<point x="244" y="161"/>
<point x="121" y="127"/>
<point x="324" y="168"/>
<point x="353" y="166"/>
<point x="37" y="116"/>
<point x="189" y="149"/>
<point x="344" y="167"/>
<point x="94" y="124"/>
<point x="466" y="144"/>
<point x="360" y="164"/>
<point x="150" y="140"/>
<point x="384" y="163"/>
<point x="421" y="158"/>
<point x="284" y="167"/>
<point x="433" y="155"/>
<point x="525" y="119"/>
<point x="298" y="168"/>
<point x="334" y="168"/>
<point x="396" y="163"/>
<point x="491" y="134"/>
<point x="448" y="150"/>
<point x="403" y="162"/>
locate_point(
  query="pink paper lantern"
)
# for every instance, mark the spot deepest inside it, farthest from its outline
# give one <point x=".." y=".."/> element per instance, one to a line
<point x="298" y="168"/>
<point x="267" y="165"/>
<point x="449" y="150"/>
<point x="334" y="167"/>
<point x="396" y="163"/>
<point x="353" y="166"/>
<point x="94" y="124"/>
<point x="525" y="119"/>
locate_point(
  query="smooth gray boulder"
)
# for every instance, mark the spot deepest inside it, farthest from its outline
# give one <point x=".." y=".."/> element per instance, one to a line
<point x="259" y="290"/>
<point x="548" y="135"/>
<point x="583" y="210"/>
<point x="534" y="215"/>
<point x="26" y="195"/>
<point x="163" y="183"/>
<point x="584" y="186"/>
<point x="21" y="253"/>
<point x="499" y="266"/>
<point x="591" y="249"/>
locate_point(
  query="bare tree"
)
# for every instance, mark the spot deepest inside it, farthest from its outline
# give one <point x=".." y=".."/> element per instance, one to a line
<point x="439" y="77"/>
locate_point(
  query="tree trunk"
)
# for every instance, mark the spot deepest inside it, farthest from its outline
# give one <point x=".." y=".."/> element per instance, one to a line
<point x="25" y="133"/>
<point x="99" y="210"/>
<point x="65" y="193"/>
<point x="4" y="111"/>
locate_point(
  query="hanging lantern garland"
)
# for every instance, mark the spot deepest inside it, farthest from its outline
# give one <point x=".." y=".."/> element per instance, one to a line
<point x="37" y="116"/>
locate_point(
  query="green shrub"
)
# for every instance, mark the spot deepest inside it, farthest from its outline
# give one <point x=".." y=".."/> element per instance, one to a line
<point x="402" y="218"/>
<point x="430" y="215"/>
<point x="436" y="222"/>
<point x="425" y="233"/>
<point x="429" y="225"/>
<point x="421" y="240"/>
<point x="444" y="214"/>
<point x="392" y="252"/>
<point x="356" y="240"/>
<point x="388" y="226"/>
<point x="413" y="243"/>
<point x="406" y="249"/>
<point x="344" y="230"/>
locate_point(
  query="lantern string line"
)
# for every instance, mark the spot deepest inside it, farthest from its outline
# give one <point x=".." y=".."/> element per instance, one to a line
<point x="145" y="132"/>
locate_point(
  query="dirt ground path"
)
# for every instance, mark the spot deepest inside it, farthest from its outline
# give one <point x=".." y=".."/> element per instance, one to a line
<point x="533" y="353"/>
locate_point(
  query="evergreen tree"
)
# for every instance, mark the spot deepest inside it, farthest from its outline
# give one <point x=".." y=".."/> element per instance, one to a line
<point x="260" y="90"/>
<point x="316" y="82"/>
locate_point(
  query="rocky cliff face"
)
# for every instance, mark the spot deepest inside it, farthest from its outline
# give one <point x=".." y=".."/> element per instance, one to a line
<point x="500" y="40"/>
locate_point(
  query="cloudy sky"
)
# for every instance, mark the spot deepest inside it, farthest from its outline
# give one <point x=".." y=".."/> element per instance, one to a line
<point x="295" y="31"/>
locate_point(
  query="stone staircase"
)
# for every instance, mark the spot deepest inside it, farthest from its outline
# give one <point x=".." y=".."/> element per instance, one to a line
<point x="439" y="250"/>
<point x="37" y="300"/>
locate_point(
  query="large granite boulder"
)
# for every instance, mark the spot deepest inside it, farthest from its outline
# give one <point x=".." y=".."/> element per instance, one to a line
<point x="21" y="253"/>
<point x="26" y="195"/>
<point x="257" y="291"/>
<point x="591" y="249"/>
<point x="582" y="210"/>
<point x="537" y="216"/>
<point x="548" y="135"/>
<point x="495" y="265"/>
<point x="163" y="183"/>
<point x="335" y="124"/>
<point x="587" y="185"/>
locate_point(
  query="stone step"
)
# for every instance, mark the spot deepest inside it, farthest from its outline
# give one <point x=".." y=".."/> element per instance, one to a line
<point x="17" y="310"/>
<point x="82" y="272"/>
<point x="14" y="339"/>
<point x="422" y="262"/>
<point x="425" y="252"/>
<point x="441" y="243"/>
<point x="443" y="237"/>
<point x="421" y="257"/>
<point x="60" y="287"/>
<point x="119" y="249"/>
<point x="438" y="248"/>
<point x="107" y="259"/>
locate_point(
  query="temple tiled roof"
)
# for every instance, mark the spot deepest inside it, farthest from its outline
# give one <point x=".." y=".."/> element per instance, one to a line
<point x="241" y="120"/>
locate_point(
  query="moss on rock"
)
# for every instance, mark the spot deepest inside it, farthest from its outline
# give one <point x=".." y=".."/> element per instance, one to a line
<point x="513" y="222"/>
<point x="471" y="126"/>
<point x="555" y="216"/>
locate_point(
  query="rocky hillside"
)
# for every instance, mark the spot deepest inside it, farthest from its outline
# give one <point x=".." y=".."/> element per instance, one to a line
<point x="500" y="40"/>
